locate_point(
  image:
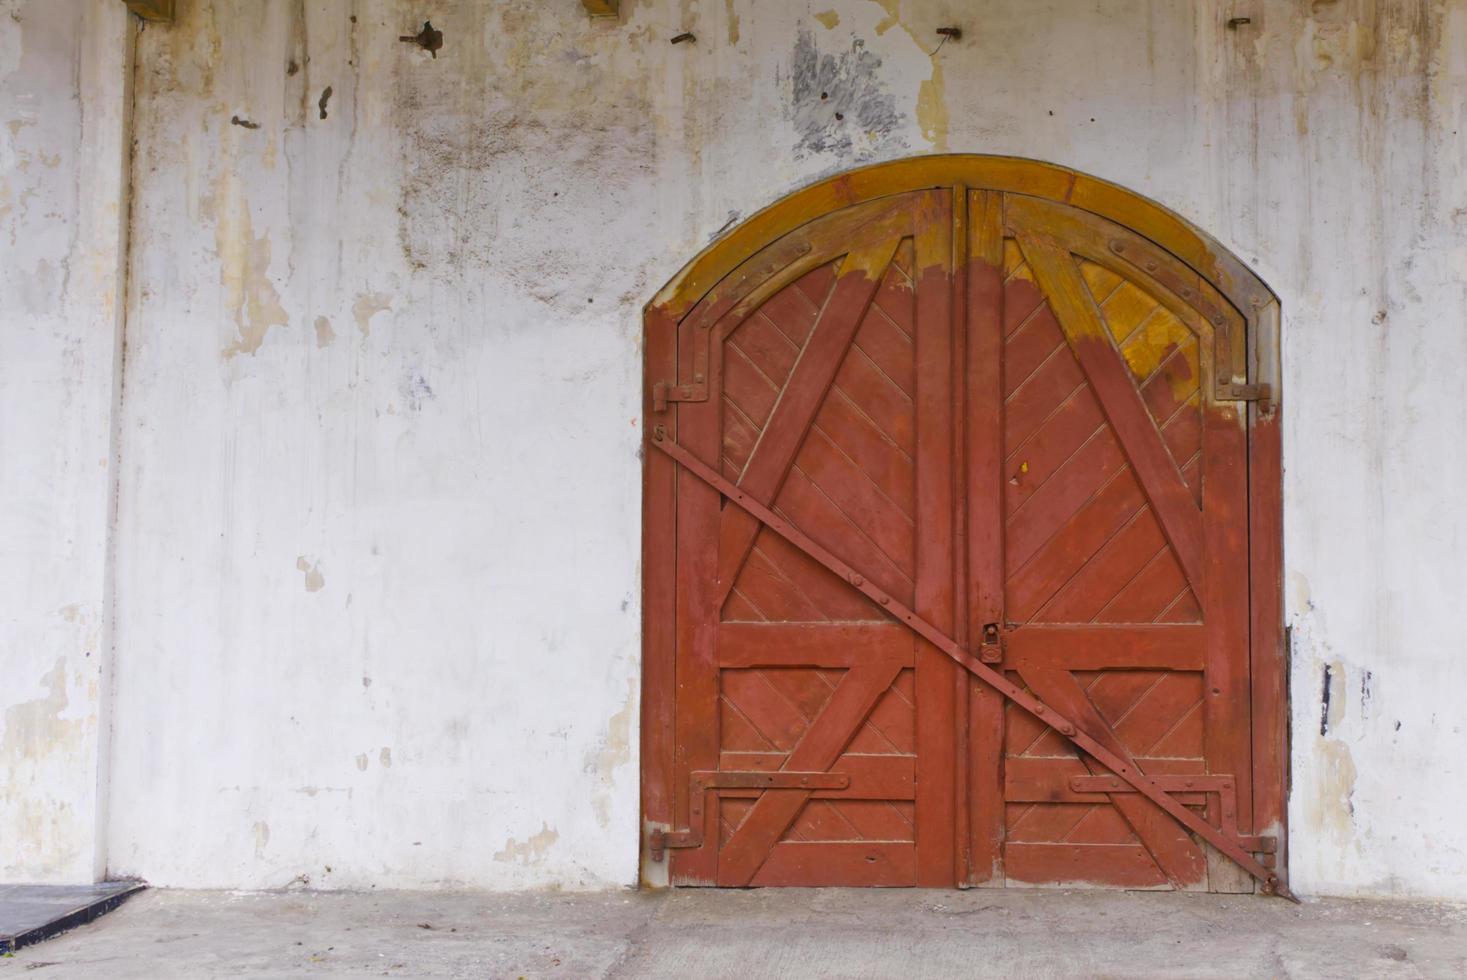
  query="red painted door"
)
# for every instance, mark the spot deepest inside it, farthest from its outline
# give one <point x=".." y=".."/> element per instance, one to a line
<point x="1016" y="420"/>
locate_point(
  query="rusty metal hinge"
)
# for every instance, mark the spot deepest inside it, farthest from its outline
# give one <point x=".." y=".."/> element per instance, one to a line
<point x="705" y="780"/>
<point x="665" y="391"/>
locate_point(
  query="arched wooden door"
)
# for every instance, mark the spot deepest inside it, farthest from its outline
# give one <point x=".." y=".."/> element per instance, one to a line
<point x="961" y="543"/>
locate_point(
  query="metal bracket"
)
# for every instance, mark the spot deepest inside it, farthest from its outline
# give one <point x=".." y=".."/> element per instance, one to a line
<point x="1233" y="391"/>
<point x="1225" y="389"/>
<point x="705" y="780"/>
<point x="665" y="391"/>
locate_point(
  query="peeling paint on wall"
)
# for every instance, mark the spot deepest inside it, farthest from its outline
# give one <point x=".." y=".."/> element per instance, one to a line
<point x="839" y="102"/>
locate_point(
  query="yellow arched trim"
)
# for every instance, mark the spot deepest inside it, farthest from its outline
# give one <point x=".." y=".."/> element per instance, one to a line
<point x="1225" y="271"/>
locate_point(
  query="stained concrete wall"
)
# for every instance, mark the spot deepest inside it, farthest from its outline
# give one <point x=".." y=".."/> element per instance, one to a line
<point x="376" y="602"/>
<point x="63" y="75"/>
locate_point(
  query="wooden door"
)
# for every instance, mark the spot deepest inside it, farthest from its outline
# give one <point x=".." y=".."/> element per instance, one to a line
<point x="1000" y="446"/>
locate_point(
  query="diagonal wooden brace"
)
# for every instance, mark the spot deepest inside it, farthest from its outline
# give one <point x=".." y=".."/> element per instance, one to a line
<point x="1144" y="784"/>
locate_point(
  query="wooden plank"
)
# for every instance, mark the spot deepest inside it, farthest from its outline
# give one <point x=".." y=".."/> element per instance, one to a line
<point x="983" y="456"/>
<point x="1108" y="375"/>
<point x="697" y="615"/>
<point x="1268" y="655"/>
<point x="933" y="596"/>
<point x="873" y="777"/>
<point x="808" y="385"/>
<point x="1097" y="647"/>
<point x="850" y="864"/>
<point x="962" y="683"/>
<point x="1226" y="693"/>
<point x="822" y="744"/>
<point x="1060" y="865"/>
<point x="659" y="587"/>
<point x="813" y="644"/>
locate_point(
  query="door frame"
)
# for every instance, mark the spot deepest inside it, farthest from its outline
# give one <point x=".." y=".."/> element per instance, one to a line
<point x="1245" y="291"/>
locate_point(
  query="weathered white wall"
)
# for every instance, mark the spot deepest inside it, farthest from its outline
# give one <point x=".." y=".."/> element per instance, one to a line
<point x="63" y="70"/>
<point x="377" y="539"/>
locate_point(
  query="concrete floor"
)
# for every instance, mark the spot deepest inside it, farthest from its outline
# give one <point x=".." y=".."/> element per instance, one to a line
<point x="750" y="934"/>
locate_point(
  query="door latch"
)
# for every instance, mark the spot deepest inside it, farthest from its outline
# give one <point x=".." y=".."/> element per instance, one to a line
<point x="991" y="652"/>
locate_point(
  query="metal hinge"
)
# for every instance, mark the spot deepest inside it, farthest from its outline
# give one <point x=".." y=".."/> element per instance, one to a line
<point x="665" y="391"/>
<point x="705" y="780"/>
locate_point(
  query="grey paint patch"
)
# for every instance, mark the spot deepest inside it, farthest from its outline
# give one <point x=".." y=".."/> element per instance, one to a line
<point x="840" y="105"/>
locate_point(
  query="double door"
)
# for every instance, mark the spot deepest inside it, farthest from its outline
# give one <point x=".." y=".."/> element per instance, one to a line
<point x="1008" y="416"/>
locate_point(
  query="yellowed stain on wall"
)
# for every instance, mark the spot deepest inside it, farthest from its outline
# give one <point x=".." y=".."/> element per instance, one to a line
<point x="932" y="115"/>
<point x="324" y="334"/>
<point x="615" y="752"/>
<point x="829" y="19"/>
<point x="1331" y="808"/>
<point x="733" y="21"/>
<point x="315" y="580"/>
<point x="530" y="851"/>
<point x="35" y="728"/>
<point x="244" y="270"/>
<point x="367" y="306"/>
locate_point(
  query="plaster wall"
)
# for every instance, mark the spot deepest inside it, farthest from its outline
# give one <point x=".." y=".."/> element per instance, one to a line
<point x="63" y="74"/>
<point x="376" y="541"/>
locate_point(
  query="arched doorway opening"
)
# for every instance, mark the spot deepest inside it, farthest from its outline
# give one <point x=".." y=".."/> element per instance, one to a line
<point x="962" y="543"/>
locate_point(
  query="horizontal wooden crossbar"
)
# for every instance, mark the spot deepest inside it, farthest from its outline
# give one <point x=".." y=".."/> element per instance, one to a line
<point x="903" y="614"/>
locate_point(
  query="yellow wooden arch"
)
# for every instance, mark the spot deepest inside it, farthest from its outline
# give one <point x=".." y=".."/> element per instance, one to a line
<point x="1173" y="233"/>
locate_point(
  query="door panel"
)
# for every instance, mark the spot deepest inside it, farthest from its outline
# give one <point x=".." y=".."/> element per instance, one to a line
<point x="1020" y="420"/>
<point x="816" y="411"/>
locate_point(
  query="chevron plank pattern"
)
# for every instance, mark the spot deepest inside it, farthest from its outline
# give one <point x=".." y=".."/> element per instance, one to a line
<point x="852" y="484"/>
<point x="1082" y="542"/>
